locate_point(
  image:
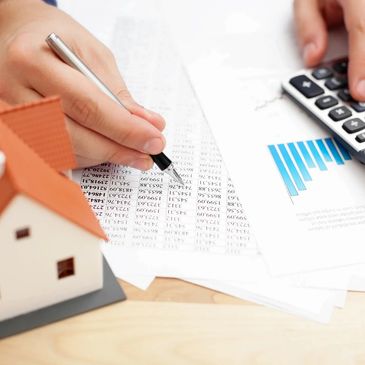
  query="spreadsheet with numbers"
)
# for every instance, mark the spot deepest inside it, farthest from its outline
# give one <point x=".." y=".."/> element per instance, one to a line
<point x="148" y="210"/>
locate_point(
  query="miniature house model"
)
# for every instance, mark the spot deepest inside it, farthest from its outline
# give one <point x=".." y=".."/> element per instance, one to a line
<point x="49" y="237"/>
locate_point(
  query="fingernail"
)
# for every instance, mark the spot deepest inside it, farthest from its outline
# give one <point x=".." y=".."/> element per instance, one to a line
<point x="308" y="51"/>
<point x="154" y="146"/>
<point x="141" y="164"/>
<point x="360" y="88"/>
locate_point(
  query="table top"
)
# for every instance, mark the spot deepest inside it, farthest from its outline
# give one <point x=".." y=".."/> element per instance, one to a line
<point x="176" y="323"/>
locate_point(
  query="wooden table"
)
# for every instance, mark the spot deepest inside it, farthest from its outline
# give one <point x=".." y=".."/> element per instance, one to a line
<point x="177" y="323"/>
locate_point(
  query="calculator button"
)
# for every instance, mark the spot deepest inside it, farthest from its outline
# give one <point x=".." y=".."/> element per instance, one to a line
<point x="306" y="86"/>
<point x="326" y="102"/>
<point x="321" y="73"/>
<point x="345" y="95"/>
<point x="341" y="67"/>
<point x="340" y="113"/>
<point x="358" y="106"/>
<point x="353" y="125"/>
<point x="360" y="137"/>
<point x="335" y="83"/>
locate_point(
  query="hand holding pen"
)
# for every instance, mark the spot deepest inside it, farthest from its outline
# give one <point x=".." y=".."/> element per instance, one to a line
<point x="70" y="58"/>
<point x="100" y="129"/>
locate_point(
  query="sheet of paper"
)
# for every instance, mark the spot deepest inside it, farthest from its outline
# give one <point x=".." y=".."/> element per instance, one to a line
<point x="198" y="230"/>
<point x="276" y="295"/>
<point x="198" y="227"/>
<point x="125" y="195"/>
<point x="319" y="228"/>
<point x="128" y="268"/>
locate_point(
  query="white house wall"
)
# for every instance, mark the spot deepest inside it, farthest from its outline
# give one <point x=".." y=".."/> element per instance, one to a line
<point x="28" y="267"/>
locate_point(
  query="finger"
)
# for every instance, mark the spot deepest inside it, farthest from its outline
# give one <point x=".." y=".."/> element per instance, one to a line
<point x="103" y="150"/>
<point x="92" y="149"/>
<point x="86" y="104"/>
<point x="21" y="95"/>
<point x="311" y="30"/>
<point x="103" y="63"/>
<point x="354" y="11"/>
<point x="156" y="119"/>
<point x="332" y="12"/>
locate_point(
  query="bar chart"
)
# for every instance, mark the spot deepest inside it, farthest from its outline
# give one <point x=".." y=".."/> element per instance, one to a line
<point x="295" y="160"/>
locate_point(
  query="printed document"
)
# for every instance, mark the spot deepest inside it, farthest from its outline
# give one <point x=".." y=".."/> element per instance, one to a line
<point x="196" y="232"/>
<point x="303" y="193"/>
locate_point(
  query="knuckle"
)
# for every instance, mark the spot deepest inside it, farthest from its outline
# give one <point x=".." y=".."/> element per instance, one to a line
<point x="358" y="25"/>
<point x="125" y="138"/>
<point x="86" y="111"/>
<point x="116" y="156"/>
<point x="102" y="56"/>
<point x="107" y="53"/>
<point x="20" y="51"/>
<point x="125" y="95"/>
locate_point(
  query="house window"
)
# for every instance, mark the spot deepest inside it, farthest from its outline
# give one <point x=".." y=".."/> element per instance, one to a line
<point x="65" y="268"/>
<point x="22" y="233"/>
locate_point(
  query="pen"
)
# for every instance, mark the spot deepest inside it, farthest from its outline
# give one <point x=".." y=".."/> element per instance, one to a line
<point x="69" y="57"/>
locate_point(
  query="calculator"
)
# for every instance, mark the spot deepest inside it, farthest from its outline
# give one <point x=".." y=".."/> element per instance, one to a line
<point x="323" y="93"/>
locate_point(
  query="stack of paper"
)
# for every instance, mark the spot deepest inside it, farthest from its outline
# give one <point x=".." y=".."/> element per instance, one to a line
<point x="200" y="232"/>
<point x="308" y="227"/>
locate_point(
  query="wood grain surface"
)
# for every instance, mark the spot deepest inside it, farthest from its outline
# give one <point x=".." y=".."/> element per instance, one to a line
<point x="178" y="323"/>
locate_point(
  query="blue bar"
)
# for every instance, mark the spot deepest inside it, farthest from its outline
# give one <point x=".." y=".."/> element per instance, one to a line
<point x="316" y="156"/>
<point x="324" y="150"/>
<point x="334" y="151"/>
<point x="299" y="161"/>
<point x="284" y="174"/>
<point x="343" y="151"/>
<point x="306" y="155"/>
<point x="292" y="169"/>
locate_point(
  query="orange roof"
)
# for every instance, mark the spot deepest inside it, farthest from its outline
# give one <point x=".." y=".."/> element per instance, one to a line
<point x="26" y="173"/>
<point x="41" y="125"/>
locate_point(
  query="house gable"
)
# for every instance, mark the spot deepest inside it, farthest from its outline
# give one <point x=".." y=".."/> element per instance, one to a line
<point x="29" y="175"/>
<point x="28" y="265"/>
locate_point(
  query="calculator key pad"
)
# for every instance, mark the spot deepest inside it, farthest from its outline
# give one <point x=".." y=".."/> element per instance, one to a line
<point x="360" y="138"/>
<point x="326" y="102"/>
<point x="322" y="73"/>
<point x="306" y="86"/>
<point x="358" y="106"/>
<point x="341" y="67"/>
<point x="336" y="83"/>
<point x="353" y="125"/>
<point x="324" y="92"/>
<point x="340" y="113"/>
<point x="345" y="95"/>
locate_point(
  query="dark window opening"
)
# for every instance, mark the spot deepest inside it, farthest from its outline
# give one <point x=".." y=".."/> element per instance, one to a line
<point x="22" y="233"/>
<point x="65" y="268"/>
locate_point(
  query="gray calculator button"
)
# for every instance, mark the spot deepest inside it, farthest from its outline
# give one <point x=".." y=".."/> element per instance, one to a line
<point x="341" y="67"/>
<point x="306" y="86"/>
<point x="340" y="113"/>
<point x="360" y="137"/>
<point x="353" y="125"/>
<point x="345" y="95"/>
<point x="358" y="106"/>
<point x="335" y="83"/>
<point x="321" y="73"/>
<point x="325" y="102"/>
